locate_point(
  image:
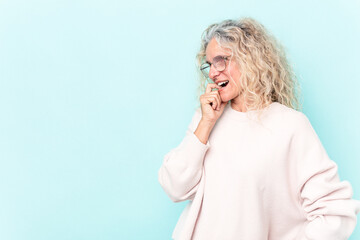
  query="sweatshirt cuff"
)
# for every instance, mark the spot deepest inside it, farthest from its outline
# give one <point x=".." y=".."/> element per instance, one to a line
<point x="194" y="151"/>
<point x="193" y="139"/>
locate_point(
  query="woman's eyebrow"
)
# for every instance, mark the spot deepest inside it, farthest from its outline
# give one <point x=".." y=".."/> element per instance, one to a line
<point x="221" y="55"/>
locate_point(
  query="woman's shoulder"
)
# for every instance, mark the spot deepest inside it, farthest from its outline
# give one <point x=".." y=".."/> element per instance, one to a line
<point x="287" y="111"/>
<point x="286" y="115"/>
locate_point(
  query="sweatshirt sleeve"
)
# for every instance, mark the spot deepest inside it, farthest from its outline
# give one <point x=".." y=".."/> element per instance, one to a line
<point x="326" y="201"/>
<point x="181" y="170"/>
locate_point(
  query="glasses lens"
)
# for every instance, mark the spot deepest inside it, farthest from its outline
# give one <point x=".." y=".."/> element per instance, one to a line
<point x="219" y="63"/>
<point x="205" y="69"/>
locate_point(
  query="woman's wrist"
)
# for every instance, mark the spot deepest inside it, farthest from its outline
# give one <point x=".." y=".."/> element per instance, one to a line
<point x="203" y="130"/>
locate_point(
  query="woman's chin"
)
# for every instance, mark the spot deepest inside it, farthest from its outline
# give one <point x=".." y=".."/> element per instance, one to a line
<point x="224" y="97"/>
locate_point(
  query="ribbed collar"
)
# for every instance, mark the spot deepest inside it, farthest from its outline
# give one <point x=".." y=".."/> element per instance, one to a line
<point x="246" y="116"/>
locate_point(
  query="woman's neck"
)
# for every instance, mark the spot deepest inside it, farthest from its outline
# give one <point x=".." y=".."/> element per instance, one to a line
<point x="238" y="104"/>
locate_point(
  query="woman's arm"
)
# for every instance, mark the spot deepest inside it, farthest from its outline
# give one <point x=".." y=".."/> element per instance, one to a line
<point x="181" y="170"/>
<point x="326" y="201"/>
<point x="203" y="130"/>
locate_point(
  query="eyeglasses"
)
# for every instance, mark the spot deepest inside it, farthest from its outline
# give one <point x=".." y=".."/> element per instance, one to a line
<point x="219" y="63"/>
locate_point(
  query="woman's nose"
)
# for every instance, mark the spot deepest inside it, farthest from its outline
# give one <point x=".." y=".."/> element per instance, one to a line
<point x="213" y="72"/>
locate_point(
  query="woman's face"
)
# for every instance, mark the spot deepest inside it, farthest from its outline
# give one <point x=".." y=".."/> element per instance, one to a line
<point x="231" y="72"/>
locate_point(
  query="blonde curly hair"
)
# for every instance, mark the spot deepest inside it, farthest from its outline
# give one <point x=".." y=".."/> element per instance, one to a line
<point x="266" y="74"/>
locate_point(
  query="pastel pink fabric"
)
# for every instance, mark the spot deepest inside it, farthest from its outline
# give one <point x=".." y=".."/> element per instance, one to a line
<point x="268" y="180"/>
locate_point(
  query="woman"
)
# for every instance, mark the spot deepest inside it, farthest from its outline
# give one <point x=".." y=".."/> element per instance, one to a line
<point x="251" y="164"/>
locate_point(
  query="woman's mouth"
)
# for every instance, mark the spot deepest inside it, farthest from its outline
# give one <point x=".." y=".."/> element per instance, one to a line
<point x="223" y="84"/>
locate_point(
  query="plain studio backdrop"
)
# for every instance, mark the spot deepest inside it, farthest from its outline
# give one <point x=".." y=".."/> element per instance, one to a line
<point x="93" y="94"/>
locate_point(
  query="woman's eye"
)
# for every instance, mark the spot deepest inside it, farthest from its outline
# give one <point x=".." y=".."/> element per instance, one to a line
<point x="217" y="59"/>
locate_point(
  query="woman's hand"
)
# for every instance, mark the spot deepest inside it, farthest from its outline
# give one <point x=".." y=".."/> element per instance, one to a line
<point x="211" y="105"/>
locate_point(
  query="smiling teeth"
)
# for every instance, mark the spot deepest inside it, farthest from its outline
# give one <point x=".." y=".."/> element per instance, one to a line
<point x="221" y="84"/>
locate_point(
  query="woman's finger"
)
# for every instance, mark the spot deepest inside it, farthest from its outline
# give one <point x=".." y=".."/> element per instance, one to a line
<point x="217" y="96"/>
<point x="210" y="86"/>
<point x="210" y="99"/>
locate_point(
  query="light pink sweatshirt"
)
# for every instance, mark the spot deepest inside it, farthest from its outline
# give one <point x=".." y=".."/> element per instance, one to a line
<point x="257" y="181"/>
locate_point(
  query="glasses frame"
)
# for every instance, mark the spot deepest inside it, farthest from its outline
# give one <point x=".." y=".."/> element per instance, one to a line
<point x="208" y="65"/>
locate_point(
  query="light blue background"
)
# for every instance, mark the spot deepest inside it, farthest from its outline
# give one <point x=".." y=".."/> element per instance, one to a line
<point x="93" y="94"/>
